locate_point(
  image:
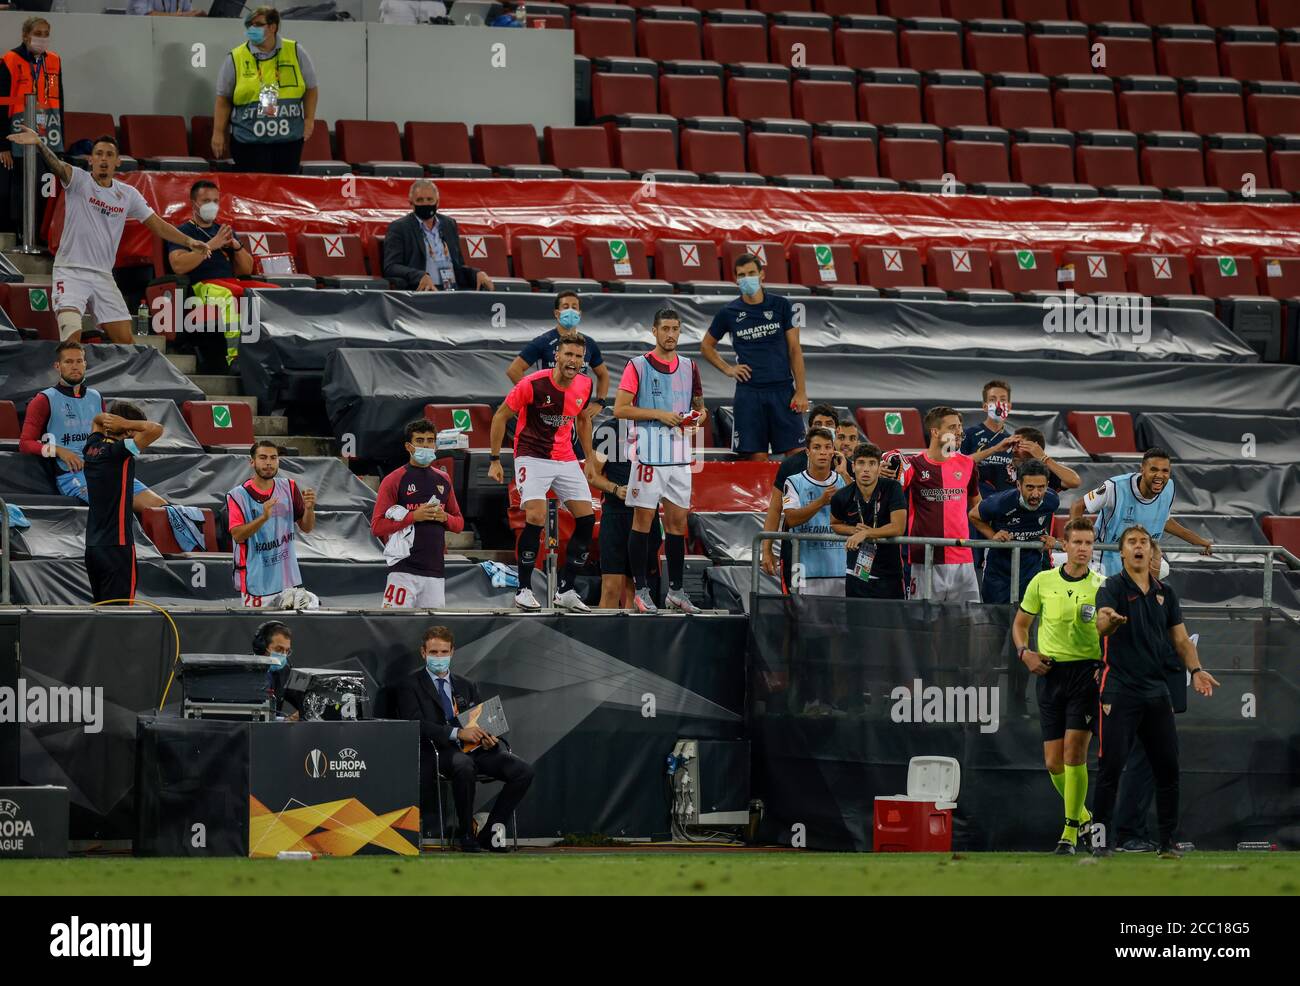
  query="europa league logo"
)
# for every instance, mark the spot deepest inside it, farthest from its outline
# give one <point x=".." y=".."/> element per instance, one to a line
<point x="317" y="764"/>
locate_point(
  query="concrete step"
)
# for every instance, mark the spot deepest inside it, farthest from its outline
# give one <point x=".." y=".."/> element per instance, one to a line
<point x="31" y="263"/>
<point x="185" y="363"/>
<point x="216" y="385"/>
<point x="236" y="399"/>
<point x="153" y="342"/>
<point x="306" y="444"/>
<point x="271" y="425"/>
<point x="8" y="241"/>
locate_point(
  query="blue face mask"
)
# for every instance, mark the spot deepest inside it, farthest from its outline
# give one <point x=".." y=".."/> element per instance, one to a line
<point x="569" y="318"/>
<point x="438" y="665"/>
<point x="749" y="285"/>
<point x="281" y="659"/>
<point x="424" y="456"/>
<point x="255" y="34"/>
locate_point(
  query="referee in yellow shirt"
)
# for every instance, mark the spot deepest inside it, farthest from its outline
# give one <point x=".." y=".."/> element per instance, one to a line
<point x="1067" y="660"/>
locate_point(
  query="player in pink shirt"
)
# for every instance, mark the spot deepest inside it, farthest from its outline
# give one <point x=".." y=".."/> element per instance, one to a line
<point x="549" y="404"/>
<point x="942" y="487"/>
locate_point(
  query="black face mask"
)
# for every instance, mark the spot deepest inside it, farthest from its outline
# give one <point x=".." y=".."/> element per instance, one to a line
<point x="426" y="212"/>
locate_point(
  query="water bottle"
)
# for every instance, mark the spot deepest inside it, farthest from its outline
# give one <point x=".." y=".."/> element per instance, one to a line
<point x="142" y="318"/>
<point x="521" y="15"/>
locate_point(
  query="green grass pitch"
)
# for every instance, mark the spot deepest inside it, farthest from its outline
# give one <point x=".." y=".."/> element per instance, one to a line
<point x="629" y="871"/>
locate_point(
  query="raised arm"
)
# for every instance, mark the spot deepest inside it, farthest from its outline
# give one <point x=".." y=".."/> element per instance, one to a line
<point x="28" y="137"/>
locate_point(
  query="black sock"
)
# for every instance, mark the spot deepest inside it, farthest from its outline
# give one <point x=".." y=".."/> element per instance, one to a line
<point x="675" y="552"/>
<point x="638" y="548"/>
<point x="575" y="556"/>
<point x="529" y="540"/>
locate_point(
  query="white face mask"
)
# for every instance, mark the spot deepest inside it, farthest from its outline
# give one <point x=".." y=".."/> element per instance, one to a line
<point x="998" y="409"/>
<point x="208" y="211"/>
<point x="38" y="45"/>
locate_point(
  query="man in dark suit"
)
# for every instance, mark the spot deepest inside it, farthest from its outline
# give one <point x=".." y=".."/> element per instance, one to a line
<point x="422" y="250"/>
<point x="433" y="696"/>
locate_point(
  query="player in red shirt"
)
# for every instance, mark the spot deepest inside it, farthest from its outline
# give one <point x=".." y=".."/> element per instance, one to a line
<point x="548" y="403"/>
<point x="942" y="488"/>
<point x="414" y="510"/>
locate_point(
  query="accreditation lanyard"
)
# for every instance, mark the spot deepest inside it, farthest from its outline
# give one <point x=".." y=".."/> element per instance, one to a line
<point x="867" y="550"/>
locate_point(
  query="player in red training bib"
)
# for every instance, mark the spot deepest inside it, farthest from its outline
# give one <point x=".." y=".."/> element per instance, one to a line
<point x="550" y="403"/>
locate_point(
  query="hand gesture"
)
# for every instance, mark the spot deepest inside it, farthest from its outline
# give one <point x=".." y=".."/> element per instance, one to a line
<point x="1204" y="683"/>
<point x="855" y="540"/>
<point x="471" y="734"/>
<point x="668" y="418"/>
<point x="111" y="422"/>
<point x="1010" y="442"/>
<point x="70" y="459"/>
<point x="192" y="244"/>
<point x="740" y="371"/>
<point x="1108" y="613"/>
<point x="426" y="284"/>
<point x="495" y="472"/>
<point x="268" y="508"/>
<point x="225" y="237"/>
<point x="309" y="498"/>
<point x="1036" y="663"/>
<point x="887" y="472"/>
<point x="425" y="511"/>
<point x="1002" y="536"/>
<point x="25" y="136"/>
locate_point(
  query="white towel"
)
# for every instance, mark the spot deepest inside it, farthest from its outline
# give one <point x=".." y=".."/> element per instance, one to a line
<point x="398" y="545"/>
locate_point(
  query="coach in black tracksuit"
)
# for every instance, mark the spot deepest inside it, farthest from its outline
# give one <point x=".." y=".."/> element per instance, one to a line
<point x="1136" y="614"/>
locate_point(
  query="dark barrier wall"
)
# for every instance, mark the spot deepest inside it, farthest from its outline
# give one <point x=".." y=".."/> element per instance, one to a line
<point x="1240" y="768"/>
<point x="577" y="691"/>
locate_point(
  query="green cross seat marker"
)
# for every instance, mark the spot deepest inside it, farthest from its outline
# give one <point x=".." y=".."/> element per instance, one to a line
<point x="1025" y="258"/>
<point x="618" y="249"/>
<point x="460" y="419"/>
<point x="824" y="256"/>
<point x="38" y="299"/>
<point x="220" y="416"/>
<point x="1228" y="266"/>
<point x="1105" y="426"/>
<point x="893" y="423"/>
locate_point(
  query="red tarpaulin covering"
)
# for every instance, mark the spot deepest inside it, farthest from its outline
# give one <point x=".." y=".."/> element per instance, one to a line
<point x="632" y="209"/>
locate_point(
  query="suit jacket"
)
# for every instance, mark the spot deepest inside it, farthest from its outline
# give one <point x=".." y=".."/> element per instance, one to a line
<point x="417" y="700"/>
<point x="405" y="252"/>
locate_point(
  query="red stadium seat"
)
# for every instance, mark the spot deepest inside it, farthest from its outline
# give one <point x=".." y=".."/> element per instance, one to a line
<point x="1225" y="13"/>
<point x="953" y="106"/>
<point x="732" y="487"/>
<point x="506" y="146"/>
<point x="822" y="264"/>
<point x="1014" y="108"/>
<point x="735" y="43"/>
<point x="1042" y="164"/>
<point x="1163" y="12"/>
<point x="845" y="157"/>
<point x="775" y="155"/>
<point x="317" y="157"/>
<point x="599" y="37"/>
<point x="688" y="262"/>
<point x="757" y="99"/>
<point x="1268" y="114"/>
<point x="820" y="101"/>
<point x="1127" y="56"/>
<point x="159" y="141"/>
<point x="478" y="418"/>
<point x="603" y="259"/>
<point x="887" y="102"/>
<point x="838" y="7"/>
<point x="336" y="260"/>
<point x="1103" y="432"/>
<point x="978" y="161"/>
<point x="1053" y="54"/>
<point x="1254" y="60"/>
<point x="712" y="153"/>
<point x="892" y="427"/>
<point x="613" y="95"/>
<point x="911" y="8"/>
<point x="220" y="426"/>
<point x="1187" y="57"/>
<point x="1096" y="272"/>
<point x="958" y="268"/>
<point x="1173" y="167"/>
<point x="640" y="150"/>
<point x="1107" y="166"/>
<point x="1279" y="13"/>
<point x="817" y="45"/>
<point x="1144" y="111"/>
<point x="1230" y="169"/>
<point x="907" y="159"/>
<point x="158" y="529"/>
<point x="373" y="147"/>
<point x="1100" y="11"/>
<point x="1086" y="109"/>
<point x="1214" y="113"/>
<point x="1159" y="274"/>
<point x="1279" y="277"/>
<point x="928" y="50"/>
<point x="691" y="95"/>
<point x="775" y="6"/>
<point x="772" y="256"/>
<point x="484" y="251"/>
<point x="990" y="52"/>
<point x="890" y="267"/>
<point x="10" y="430"/>
<point x="1225" y="276"/>
<point x="866" y="49"/>
<point x="1284" y="170"/>
<point x="970" y="10"/>
<point x="443" y="148"/>
<point x="88" y="126"/>
<point x="1283" y="531"/>
<point x="665" y="40"/>
<point x="31" y="306"/>
<point x="583" y="152"/>
<point x="1023" y="271"/>
<point x="1037" y="10"/>
<point x="545" y="258"/>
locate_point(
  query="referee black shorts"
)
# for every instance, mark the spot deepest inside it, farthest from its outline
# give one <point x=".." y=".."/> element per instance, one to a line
<point x="111" y="570"/>
<point x="615" y="528"/>
<point x="1068" y="697"/>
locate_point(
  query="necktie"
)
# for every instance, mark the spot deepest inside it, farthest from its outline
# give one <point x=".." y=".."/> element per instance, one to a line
<point x="444" y="697"/>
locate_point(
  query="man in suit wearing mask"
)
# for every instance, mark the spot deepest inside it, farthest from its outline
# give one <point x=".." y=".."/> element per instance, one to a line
<point x="422" y="249"/>
<point x="434" y="697"/>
